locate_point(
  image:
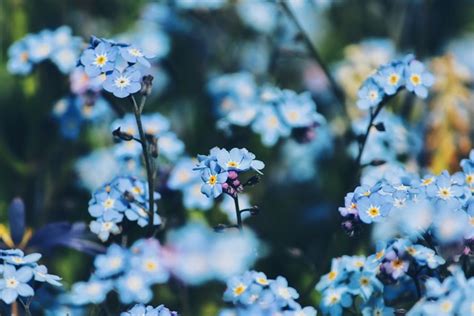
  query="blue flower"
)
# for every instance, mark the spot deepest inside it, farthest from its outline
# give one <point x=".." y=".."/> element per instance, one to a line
<point x="370" y="95"/>
<point x="236" y="287"/>
<point x="41" y="275"/>
<point x="123" y="83"/>
<point x="23" y="260"/>
<point x="269" y="126"/>
<point x="142" y="310"/>
<point x="390" y="77"/>
<point x="182" y="175"/>
<point x="298" y="110"/>
<point x="365" y="283"/>
<point x="283" y="293"/>
<point x="113" y="262"/>
<point x="103" y="228"/>
<point x="107" y="203"/>
<point x="373" y="208"/>
<point x="99" y="59"/>
<point x="445" y="191"/>
<point x="377" y="307"/>
<point x="19" y="61"/>
<point x="333" y="277"/>
<point x="334" y="299"/>
<point x="213" y="178"/>
<point x="417" y="79"/>
<point x="15" y="283"/>
<point x="170" y="146"/>
<point x="134" y="55"/>
<point x="93" y="291"/>
<point x="40" y="45"/>
<point x="134" y="287"/>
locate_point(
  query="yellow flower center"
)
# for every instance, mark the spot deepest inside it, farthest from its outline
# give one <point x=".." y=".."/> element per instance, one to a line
<point x="122" y="82"/>
<point x="135" y="52"/>
<point x="427" y="181"/>
<point x="150" y="265"/>
<point x="239" y="289"/>
<point x="262" y="281"/>
<point x="101" y="60"/>
<point x="11" y="283"/>
<point x="333" y="299"/>
<point x="332" y="275"/>
<point x="446" y="306"/>
<point x="232" y="164"/>
<point x="373" y="95"/>
<point x="364" y="281"/>
<point x="397" y="264"/>
<point x="108" y="203"/>
<point x="393" y="79"/>
<point x="444" y="193"/>
<point x="212" y="180"/>
<point x="469" y="179"/>
<point x="137" y="190"/>
<point x="293" y="116"/>
<point x="24" y="56"/>
<point x="272" y="122"/>
<point x="415" y="79"/>
<point x="373" y="211"/>
<point x="379" y="255"/>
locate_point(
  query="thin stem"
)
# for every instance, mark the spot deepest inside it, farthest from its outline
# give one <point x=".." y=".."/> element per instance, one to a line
<point x="150" y="173"/>
<point x="26" y="306"/>
<point x="373" y="116"/>
<point x="314" y="52"/>
<point x="237" y="212"/>
<point x="417" y="284"/>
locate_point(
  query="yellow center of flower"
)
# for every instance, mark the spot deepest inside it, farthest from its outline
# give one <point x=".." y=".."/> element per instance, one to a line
<point x="333" y="299"/>
<point x="471" y="221"/>
<point x="11" y="283"/>
<point x="239" y="289"/>
<point x="373" y="211"/>
<point x="107" y="225"/>
<point x="293" y="116"/>
<point x="427" y="181"/>
<point x="115" y="262"/>
<point x="415" y="79"/>
<point x="134" y="283"/>
<point x="411" y="251"/>
<point x="444" y="193"/>
<point x="272" y="122"/>
<point x="373" y="95"/>
<point x="364" y="281"/>
<point x="212" y="180"/>
<point x="359" y="264"/>
<point x="101" y="60"/>
<point x="469" y="178"/>
<point x="109" y="203"/>
<point x="137" y="190"/>
<point x="332" y="275"/>
<point x="150" y="265"/>
<point x="262" y="281"/>
<point x="232" y="164"/>
<point x="135" y="52"/>
<point x="446" y="306"/>
<point x="24" y="56"/>
<point x="393" y="79"/>
<point x="397" y="264"/>
<point x="122" y="82"/>
<point x="379" y="255"/>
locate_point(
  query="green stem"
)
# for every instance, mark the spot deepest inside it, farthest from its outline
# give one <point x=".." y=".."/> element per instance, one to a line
<point x="150" y="173"/>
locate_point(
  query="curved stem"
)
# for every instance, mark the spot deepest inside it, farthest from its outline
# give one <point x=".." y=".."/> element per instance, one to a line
<point x="373" y="116"/>
<point x="237" y="212"/>
<point x="314" y="52"/>
<point x="150" y="172"/>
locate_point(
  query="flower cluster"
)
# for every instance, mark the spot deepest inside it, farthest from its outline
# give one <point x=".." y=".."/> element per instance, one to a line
<point x="254" y="294"/>
<point x="142" y="310"/>
<point x="132" y="272"/>
<point x="74" y="111"/>
<point x="273" y="113"/>
<point x="125" y="196"/>
<point x="351" y="278"/>
<point x="391" y="77"/>
<point x="439" y="206"/>
<point x="452" y="296"/>
<point x="154" y="125"/>
<point x="20" y="272"/>
<point x="120" y="66"/>
<point x="220" y="170"/>
<point x="59" y="46"/>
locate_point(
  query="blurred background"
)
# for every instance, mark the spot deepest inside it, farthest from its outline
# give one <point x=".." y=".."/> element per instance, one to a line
<point x="41" y="148"/>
